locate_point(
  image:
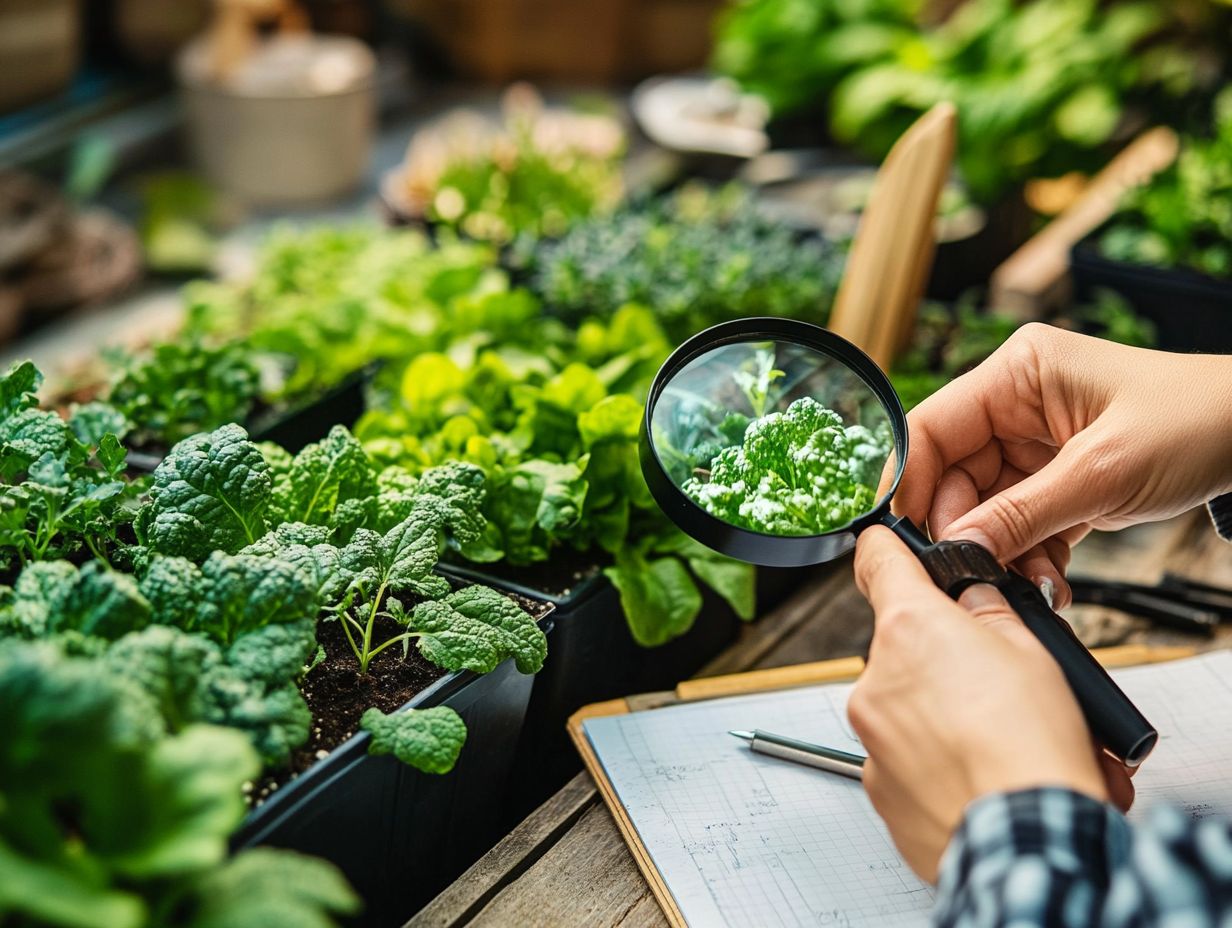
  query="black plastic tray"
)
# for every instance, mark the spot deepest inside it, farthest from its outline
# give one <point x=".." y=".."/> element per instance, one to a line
<point x="399" y="835"/>
<point x="1191" y="311"/>
<point x="593" y="657"/>
<point x="294" y="427"/>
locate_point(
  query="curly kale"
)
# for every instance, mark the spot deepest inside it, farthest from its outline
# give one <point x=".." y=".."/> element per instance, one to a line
<point x="798" y="472"/>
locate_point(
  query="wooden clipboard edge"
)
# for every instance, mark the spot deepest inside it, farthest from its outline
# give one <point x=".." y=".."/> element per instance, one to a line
<point x="641" y="856"/>
<point x="755" y="681"/>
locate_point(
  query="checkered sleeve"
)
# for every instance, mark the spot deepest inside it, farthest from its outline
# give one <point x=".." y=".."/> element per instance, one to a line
<point x="1051" y="857"/>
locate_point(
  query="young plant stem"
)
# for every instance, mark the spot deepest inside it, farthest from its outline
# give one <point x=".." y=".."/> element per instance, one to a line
<point x="363" y="650"/>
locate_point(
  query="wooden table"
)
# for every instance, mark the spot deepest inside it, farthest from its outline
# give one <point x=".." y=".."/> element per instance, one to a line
<point x="567" y="865"/>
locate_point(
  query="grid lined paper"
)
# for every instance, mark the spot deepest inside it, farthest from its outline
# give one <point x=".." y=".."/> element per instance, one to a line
<point x="742" y="839"/>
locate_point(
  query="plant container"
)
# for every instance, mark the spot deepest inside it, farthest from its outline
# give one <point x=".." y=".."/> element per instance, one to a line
<point x="1190" y="311"/>
<point x="593" y="657"/>
<point x="399" y="835"/>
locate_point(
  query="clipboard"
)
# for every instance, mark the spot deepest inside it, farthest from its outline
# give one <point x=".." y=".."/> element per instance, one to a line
<point x="757" y="681"/>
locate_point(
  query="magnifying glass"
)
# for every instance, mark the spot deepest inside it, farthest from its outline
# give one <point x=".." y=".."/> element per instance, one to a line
<point x="765" y="439"/>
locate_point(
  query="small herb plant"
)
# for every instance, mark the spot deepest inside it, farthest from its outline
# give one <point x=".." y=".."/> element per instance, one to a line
<point x="796" y="472"/>
<point x="62" y="489"/>
<point x="1183" y="216"/>
<point x="177" y="389"/>
<point x="695" y="259"/>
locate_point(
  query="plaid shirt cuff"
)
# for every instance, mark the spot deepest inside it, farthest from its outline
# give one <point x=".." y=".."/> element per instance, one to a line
<point x="1035" y="857"/>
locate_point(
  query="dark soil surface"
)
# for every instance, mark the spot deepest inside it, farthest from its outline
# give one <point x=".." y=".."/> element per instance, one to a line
<point x="338" y="694"/>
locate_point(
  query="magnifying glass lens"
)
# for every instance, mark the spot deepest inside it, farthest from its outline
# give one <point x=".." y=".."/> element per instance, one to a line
<point x="774" y="437"/>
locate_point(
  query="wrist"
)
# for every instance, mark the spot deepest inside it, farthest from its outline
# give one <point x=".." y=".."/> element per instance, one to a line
<point x="1081" y="776"/>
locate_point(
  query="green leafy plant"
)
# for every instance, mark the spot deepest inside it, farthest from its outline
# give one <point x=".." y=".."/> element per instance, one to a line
<point x="556" y="435"/>
<point x="796" y="472"/>
<point x="61" y="483"/>
<point x="1183" y="216"/>
<point x="1040" y="86"/>
<point x="695" y="259"/>
<point x="536" y="172"/>
<point x="328" y="301"/>
<point x="177" y="389"/>
<point x="109" y="821"/>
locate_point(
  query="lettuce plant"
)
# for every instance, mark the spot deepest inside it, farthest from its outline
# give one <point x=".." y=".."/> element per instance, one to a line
<point x="556" y="434"/>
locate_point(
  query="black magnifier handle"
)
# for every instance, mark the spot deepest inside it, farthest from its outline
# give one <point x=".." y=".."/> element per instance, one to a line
<point x="1113" y="719"/>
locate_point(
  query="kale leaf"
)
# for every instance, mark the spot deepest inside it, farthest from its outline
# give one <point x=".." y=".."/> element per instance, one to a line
<point x="476" y="628"/>
<point x="106" y="821"/>
<point x="63" y="487"/>
<point x="428" y="739"/>
<point x="180" y="388"/>
<point x="209" y="494"/>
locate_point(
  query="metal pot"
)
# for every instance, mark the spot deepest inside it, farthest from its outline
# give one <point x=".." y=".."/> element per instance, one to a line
<point x="293" y="125"/>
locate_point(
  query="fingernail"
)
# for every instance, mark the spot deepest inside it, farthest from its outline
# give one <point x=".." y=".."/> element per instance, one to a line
<point x="969" y="534"/>
<point x="1047" y="589"/>
<point x="981" y="596"/>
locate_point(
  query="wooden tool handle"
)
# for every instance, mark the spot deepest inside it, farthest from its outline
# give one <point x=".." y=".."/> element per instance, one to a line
<point x="893" y="249"/>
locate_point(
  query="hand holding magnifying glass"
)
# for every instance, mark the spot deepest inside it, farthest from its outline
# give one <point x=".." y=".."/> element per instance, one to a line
<point x="765" y="438"/>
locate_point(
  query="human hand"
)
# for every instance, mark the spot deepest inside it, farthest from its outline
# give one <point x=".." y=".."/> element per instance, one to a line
<point x="1057" y="433"/>
<point x="959" y="700"/>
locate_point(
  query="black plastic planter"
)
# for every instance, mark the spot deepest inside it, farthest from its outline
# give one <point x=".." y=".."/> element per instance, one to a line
<point x="292" y="427"/>
<point x="1191" y="311"/>
<point x="593" y="657"/>
<point x="399" y="835"/>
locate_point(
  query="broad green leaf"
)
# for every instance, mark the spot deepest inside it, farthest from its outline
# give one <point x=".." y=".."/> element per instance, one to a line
<point x="400" y="560"/>
<point x="659" y="598"/>
<point x="91" y="421"/>
<point x="427" y="739"/>
<point x="186" y="802"/>
<point x="476" y="628"/>
<point x="272" y="888"/>
<point x="244" y="592"/>
<point x="63" y="895"/>
<point x="324" y="475"/>
<point x="209" y="494"/>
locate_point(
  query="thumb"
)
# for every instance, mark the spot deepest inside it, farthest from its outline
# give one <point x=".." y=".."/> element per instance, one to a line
<point x="985" y="602"/>
<point x="1060" y="495"/>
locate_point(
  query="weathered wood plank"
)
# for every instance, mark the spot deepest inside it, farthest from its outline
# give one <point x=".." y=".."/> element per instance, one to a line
<point x="586" y="878"/>
<point x="510" y="858"/>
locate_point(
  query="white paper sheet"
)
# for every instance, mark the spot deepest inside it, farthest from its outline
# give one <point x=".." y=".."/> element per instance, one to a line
<point x="743" y="839"/>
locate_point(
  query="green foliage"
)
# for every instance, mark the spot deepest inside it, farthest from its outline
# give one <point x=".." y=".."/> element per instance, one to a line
<point x="476" y="628"/>
<point x="556" y="435"/>
<point x="51" y="597"/>
<point x="695" y="259"/>
<point x="61" y="484"/>
<point x="496" y="196"/>
<point x="209" y="494"/>
<point x="329" y="301"/>
<point x="1183" y="216"/>
<point x="177" y="389"/>
<point x="794" y="52"/>
<point x="427" y="739"/>
<point x="108" y="822"/>
<point x="797" y="472"/>
<point x="1039" y="85"/>
<point x="249" y="686"/>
